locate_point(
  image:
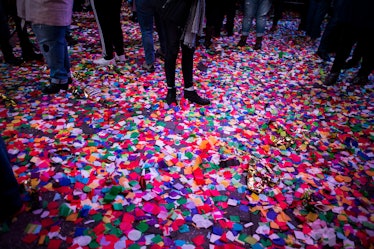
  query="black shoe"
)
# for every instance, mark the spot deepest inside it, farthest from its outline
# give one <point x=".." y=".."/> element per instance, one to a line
<point x="171" y="96"/>
<point x="351" y="64"/>
<point x="32" y="57"/>
<point x="243" y="41"/>
<point x="13" y="61"/>
<point x="55" y="88"/>
<point x="193" y="97"/>
<point x="331" y="79"/>
<point x="258" y="44"/>
<point x="360" y="80"/>
<point x="324" y="56"/>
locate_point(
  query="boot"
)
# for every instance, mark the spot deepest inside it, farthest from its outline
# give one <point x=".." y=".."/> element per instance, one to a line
<point x="243" y="41"/>
<point x="360" y="80"/>
<point x="258" y="44"/>
<point x="55" y="88"/>
<point x="208" y="37"/>
<point x="331" y="79"/>
<point x="193" y="97"/>
<point x="171" y="96"/>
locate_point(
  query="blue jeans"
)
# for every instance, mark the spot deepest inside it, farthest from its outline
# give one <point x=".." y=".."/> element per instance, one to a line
<point x="9" y="190"/>
<point x="146" y="11"/>
<point x="255" y="9"/>
<point x="53" y="45"/>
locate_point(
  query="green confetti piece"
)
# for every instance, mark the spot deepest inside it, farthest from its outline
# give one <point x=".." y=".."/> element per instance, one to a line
<point x="243" y="237"/>
<point x="86" y="189"/>
<point x="184" y="228"/>
<point x="234" y="218"/>
<point x="142" y="227"/>
<point x="182" y="201"/>
<point x="189" y="155"/>
<point x="134" y="246"/>
<point x="97" y="217"/>
<point x="157" y="239"/>
<point x="266" y="242"/>
<point x="117" y="206"/>
<point x="93" y="244"/>
<point x="64" y="210"/>
<point x="130" y="208"/>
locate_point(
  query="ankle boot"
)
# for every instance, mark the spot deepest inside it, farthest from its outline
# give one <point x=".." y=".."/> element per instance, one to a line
<point x="171" y="96"/>
<point x="243" y="41"/>
<point x="208" y="37"/>
<point x="331" y="78"/>
<point x="193" y="97"/>
<point x="258" y="44"/>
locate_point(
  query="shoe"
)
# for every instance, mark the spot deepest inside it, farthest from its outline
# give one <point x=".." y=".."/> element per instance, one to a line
<point x="171" y="96"/>
<point x="13" y="61"/>
<point x="55" y="88"/>
<point x="120" y="58"/>
<point x="149" y="67"/>
<point x="160" y="54"/>
<point x="258" y="44"/>
<point x="351" y="64"/>
<point x="324" y="56"/>
<point x="104" y="62"/>
<point x="331" y="79"/>
<point x="243" y="41"/>
<point x="32" y="57"/>
<point x="273" y="28"/>
<point x="193" y="97"/>
<point x="360" y="80"/>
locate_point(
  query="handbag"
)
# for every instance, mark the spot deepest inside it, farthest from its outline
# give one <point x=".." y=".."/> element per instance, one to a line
<point x="175" y="11"/>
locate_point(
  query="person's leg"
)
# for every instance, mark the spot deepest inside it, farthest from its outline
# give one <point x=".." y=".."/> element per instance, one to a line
<point x="5" y="46"/>
<point x="278" y="10"/>
<point x="100" y="9"/>
<point x="9" y="187"/>
<point x="262" y="11"/>
<point x="320" y="11"/>
<point x="145" y="18"/>
<point x="250" y="7"/>
<point x="230" y="16"/>
<point x="116" y="28"/>
<point x="328" y="39"/>
<point x="53" y="45"/>
<point x="366" y="50"/>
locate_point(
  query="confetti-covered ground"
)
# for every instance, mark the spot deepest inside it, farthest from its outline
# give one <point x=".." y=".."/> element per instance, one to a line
<point x="276" y="161"/>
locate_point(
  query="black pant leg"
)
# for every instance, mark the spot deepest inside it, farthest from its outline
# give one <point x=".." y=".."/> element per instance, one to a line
<point x="187" y="65"/>
<point x="173" y="34"/>
<point x="103" y="13"/>
<point x="117" y="34"/>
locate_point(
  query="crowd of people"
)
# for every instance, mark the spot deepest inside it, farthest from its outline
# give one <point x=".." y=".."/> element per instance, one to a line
<point x="350" y="25"/>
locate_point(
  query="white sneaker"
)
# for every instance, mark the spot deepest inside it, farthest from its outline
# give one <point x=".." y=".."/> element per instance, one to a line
<point x="104" y="62"/>
<point x="120" y="58"/>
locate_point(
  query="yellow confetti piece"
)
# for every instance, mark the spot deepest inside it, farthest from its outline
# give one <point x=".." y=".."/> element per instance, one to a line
<point x="342" y="217"/>
<point x="41" y="240"/>
<point x="312" y="216"/>
<point x="72" y="217"/>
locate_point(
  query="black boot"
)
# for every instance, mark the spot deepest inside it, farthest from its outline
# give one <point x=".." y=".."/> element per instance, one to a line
<point x="171" y="96"/>
<point x="360" y="80"/>
<point x="243" y="41"/>
<point x="55" y="88"/>
<point x="193" y="97"/>
<point x="32" y="56"/>
<point x="331" y="79"/>
<point x="258" y="44"/>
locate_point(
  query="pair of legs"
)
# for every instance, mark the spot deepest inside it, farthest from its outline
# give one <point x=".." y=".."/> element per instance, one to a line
<point x="9" y="188"/>
<point x="108" y="18"/>
<point x="173" y="43"/>
<point x="54" y="48"/>
<point x="317" y="11"/>
<point x="254" y="9"/>
<point x="146" y="11"/>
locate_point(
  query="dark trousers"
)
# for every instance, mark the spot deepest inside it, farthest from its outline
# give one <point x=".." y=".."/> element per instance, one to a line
<point x="108" y="17"/>
<point x="347" y="38"/>
<point x="5" y="46"/>
<point x="317" y="11"/>
<point x="173" y="34"/>
<point x="9" y="189"/>
<point x="214" y="15"/>
<point x="278" y="6"/>
<point x="228" y="9"/>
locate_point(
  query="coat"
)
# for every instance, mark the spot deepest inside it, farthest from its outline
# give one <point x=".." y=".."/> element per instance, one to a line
<point x="47" y="12"/>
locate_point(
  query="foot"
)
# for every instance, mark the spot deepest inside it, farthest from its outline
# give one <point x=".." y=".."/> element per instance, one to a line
<point x="258" y="44"/>
<point x="104" y="62"/>
<point x="193" y="97"/>
<point x="331" y="79"/>
<point x="55" y="88"/>
<point x="360" y="80"/>
<point x="32" y="57"/>
<point x="243" y="41"/>
<point x="148" y="67"/>
<point x="13" y="61"/>
<point x="273" y="28"/>
<point x="324" y="56"/>
<point x="351" y="64"/>
<point x="120" y="58"/>
<point x="171" y="96"/>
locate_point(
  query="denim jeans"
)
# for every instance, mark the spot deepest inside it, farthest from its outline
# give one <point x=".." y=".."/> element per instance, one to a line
<point x="9" y="190"/>
<point x="146" y="12"/>
<point x="255" y="9"/>
<point x="53" y="45"/>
